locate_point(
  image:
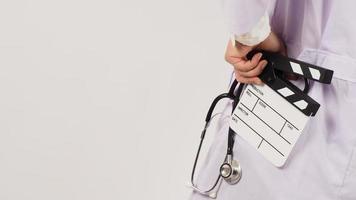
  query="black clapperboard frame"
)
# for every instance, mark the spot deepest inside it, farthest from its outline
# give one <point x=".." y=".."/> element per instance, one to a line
<point x="272" y="117"/>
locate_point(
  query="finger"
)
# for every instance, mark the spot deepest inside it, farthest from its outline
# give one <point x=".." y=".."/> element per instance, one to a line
<point x="246" y="66"/>
<point x="254" y="80"/>
<point x="255" y="71"/>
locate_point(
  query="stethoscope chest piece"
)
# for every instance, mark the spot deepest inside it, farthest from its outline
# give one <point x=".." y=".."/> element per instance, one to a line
<point x="231" y="172"/>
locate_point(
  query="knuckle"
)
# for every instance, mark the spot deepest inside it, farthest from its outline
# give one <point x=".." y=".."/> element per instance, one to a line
<point x="251" y="80"/>
<point x="239" y="67"/>
<point x="227" y="57"/>
<point x="261" y="68"/>
<point x="236" y="69"/>
<point x="250" y="72"/>
<point x="243" y="68"/>
<point x="251" y="67"/>
<point x="258" y="71"/>
<point x="254" y="74"/>
<point x="239" y="78"/>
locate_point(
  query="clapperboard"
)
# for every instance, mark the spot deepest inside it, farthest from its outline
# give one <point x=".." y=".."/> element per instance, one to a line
<point x="272" y="117"/>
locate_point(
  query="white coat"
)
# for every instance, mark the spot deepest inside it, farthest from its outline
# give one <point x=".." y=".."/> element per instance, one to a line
<point x="322" y="165"/>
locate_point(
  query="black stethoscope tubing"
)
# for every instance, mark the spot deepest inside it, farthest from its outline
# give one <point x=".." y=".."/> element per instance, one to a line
<point x="231" y="140"/>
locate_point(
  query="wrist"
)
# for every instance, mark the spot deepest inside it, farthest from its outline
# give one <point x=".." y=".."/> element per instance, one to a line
<point x="272" y="43"/>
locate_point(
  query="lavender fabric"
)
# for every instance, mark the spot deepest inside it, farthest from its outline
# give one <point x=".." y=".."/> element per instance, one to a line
<point x="323" y="163"/>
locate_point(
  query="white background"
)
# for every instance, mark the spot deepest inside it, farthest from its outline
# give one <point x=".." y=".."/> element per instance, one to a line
<point x="105" y="99"/>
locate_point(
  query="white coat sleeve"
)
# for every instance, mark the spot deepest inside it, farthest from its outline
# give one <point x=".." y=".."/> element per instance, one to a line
<point x="249" y="20"/>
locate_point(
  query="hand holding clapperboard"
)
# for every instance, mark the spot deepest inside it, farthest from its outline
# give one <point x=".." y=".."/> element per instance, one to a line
<point x="271" y="117"/>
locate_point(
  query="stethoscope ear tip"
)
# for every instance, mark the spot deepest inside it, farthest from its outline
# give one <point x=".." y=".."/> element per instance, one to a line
<point x="189" y="185"/>
<point x="213" y="195"/>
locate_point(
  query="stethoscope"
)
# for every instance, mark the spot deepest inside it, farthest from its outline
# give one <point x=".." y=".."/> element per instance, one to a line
<point x="230" y="170"/>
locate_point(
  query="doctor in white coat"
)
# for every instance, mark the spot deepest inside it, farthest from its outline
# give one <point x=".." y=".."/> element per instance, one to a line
<point x="322" y="165"/>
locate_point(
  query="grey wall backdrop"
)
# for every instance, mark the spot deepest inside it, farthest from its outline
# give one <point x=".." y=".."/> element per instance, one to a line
<point x="104" y="100"/>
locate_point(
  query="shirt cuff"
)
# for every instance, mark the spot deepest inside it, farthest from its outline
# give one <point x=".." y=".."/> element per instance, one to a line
<point x="257" y="34"/>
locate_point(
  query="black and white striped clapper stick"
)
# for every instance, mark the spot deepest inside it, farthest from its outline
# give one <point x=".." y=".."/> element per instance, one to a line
<point x="299" y="68"/>
<point x="278" y="63"/>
